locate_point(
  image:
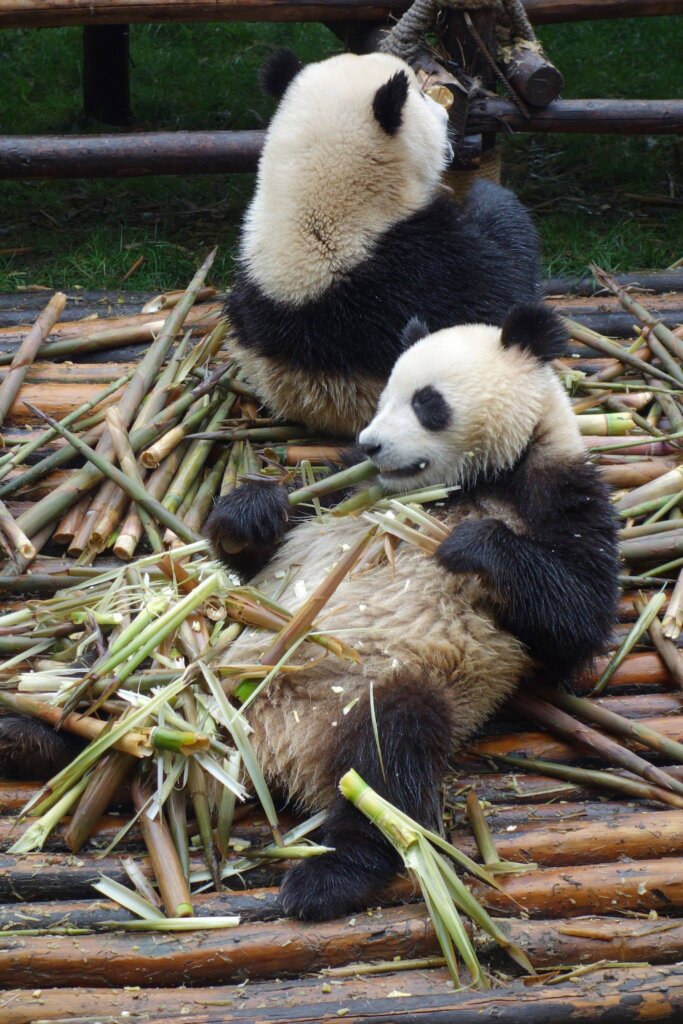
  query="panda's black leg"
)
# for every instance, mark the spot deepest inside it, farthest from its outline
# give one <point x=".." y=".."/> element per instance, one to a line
<point x="415" y="737"/>
<point x="30" y="749"/>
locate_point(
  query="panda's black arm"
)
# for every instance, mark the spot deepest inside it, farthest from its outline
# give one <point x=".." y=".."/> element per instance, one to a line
<point x="247" y="524"/>
<point x="559" y="601"/>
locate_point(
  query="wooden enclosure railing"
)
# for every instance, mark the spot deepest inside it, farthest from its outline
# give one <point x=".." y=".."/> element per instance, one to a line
<point x="51" y="13"/>
<point x="106" y="86"/>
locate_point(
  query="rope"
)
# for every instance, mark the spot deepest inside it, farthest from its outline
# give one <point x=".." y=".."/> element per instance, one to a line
<point x="404" y="40"/>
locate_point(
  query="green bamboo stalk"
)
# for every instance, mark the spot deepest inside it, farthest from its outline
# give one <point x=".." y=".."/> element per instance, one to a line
<point x="651" y="612"/>
<point x="133" y="489"/>
<point x="618" y="725"/>
<point x="610" y="348"/>
<point x="192" y="464"/>
<point x="128" y="464"/>
<point x="15" y="458"/>
<point x="672" y="343"/>
<point x="336" y="482"/>
<point x="592" y="777"/>
<point x="229" y="481"/>
<point x="203" y="500"/>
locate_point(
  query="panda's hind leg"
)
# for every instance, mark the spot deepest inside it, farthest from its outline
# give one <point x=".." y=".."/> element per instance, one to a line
<point x="415" y="738"/>
<point x="30" y="749"/>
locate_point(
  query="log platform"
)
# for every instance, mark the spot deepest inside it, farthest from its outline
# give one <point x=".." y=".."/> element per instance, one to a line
<point x="604" y="893"/>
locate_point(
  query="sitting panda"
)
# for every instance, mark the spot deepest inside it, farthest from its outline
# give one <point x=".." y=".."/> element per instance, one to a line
<point x="525" y="583"/>
<point x="350" y="234"/>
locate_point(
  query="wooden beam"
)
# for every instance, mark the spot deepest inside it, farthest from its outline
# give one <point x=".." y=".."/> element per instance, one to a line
<point x="622" y="117"/>
<point x="106" y="87"/>
<point x="101" y="156"/>
<point x="45" y="13"/>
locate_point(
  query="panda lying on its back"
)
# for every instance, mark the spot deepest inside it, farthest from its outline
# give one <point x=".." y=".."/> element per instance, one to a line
<point x="526" y="580"/>
<point x="350" y="234"/>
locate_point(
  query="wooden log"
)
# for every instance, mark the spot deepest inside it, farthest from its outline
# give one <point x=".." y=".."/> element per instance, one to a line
<point x="524" y="788"/>
<point x="601" y="997"/>
<point x="237" y="152"/>
<point x="650" y="281"/>
<point x="43" y="13"/>
<point x="623" y="117"/>
<point x="286" y="948"/>
<point x="104" y="156"/>
<point x="531" y="74"/>
<point x="106" y="86"/>
<point x="548" y="12"/>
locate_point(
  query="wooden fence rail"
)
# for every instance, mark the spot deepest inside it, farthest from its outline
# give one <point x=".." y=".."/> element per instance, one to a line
<point x="45" y="13"/>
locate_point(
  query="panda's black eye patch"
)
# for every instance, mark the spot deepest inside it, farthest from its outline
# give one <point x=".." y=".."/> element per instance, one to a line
<point x="431" y="409"/>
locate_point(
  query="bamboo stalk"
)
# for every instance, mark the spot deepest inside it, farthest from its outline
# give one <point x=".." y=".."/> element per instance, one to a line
<point x="618" y="725"/>
<point x="663" y="334"/>
<point x="665" y="647"/>
<point x="71" y="521"/>
<point x="175" y="893"/>
<point x="105" y="781"/>
<point x="594" y="778"/>
<point x="128" y="464"/>
<point x="645" y="618"/>
<point x="193" y="462"/>
<point x="208" y="490"/>
<point x="27" y="352"/>
<point x="14" y="537"/>
<point x="134" y="743"/>
<point x="229" y="481"/>
<point x="610" y="348"/>
<point x="134" y="490"/>
<point x="577" y="732"/>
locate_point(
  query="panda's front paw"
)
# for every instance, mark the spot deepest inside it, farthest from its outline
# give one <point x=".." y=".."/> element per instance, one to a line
<point x="252" y="517"/>
<point x="471" y="546"/>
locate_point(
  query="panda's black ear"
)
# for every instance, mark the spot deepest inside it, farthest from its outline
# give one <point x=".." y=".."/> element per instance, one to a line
<point x="389" y="101"/>
<point x="278" y="72"/>
<point x="414" y="330"/>
<point x="536" y="329"/>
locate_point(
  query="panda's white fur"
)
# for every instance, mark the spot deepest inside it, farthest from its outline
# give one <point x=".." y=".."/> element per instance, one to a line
<point x="331" y="180"/>
<point x="349" y="234"/>
<point x="497" y="398"/>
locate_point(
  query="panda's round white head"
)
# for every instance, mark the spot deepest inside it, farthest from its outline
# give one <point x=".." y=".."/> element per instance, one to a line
<point x="354" y="147"/>
<point x="464" y="404"/>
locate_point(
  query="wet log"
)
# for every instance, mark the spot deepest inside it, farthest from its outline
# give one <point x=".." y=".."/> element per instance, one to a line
<point x="637" y="836"/>
<point x="623" y="117"/>
<point x="106" y="85"/>
<point x="42" y="13"/>
<point x="601" y="997"/>
<point x="287" y="948"/>
<point x="161" y="153"/>
<point x="519" y="787"/>
<point x="649" y="281"/>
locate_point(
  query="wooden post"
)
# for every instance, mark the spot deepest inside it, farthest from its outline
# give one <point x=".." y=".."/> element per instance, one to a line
<point x="106" y="87"/>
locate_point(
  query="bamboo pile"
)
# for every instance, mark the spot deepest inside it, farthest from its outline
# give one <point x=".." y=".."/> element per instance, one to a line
<point x="570" y="803"/>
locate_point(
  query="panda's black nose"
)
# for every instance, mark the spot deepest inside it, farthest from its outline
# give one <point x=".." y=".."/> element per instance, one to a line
<point x="371" y="448"/>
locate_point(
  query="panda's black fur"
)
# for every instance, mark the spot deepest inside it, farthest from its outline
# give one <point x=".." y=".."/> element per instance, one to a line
<point x="448" y="264"/>
<point x="539" y="534"/>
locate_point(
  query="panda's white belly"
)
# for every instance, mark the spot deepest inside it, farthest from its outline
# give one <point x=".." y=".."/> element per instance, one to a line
<point x="407" y="618"/>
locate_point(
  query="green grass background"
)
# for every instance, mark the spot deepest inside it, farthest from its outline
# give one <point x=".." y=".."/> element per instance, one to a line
<point x="584" y="189"/>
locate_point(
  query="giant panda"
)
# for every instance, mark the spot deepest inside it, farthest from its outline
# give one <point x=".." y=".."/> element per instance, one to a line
<point x="525" y="584"/>
<point x="350" y="233"/>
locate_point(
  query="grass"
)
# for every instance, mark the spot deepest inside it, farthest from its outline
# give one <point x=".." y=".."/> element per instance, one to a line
<point x="89" y="233"/>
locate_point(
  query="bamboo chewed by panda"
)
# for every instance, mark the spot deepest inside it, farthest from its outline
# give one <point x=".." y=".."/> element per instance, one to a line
<point x="525" y="584"/>
<point x="350" y="233"/>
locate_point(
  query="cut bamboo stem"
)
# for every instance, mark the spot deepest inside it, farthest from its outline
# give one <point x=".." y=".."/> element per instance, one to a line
<point x="577" y="732"/>
<point x="106" y="779"/>
<point x="27" y="352"/>
<point x="175" y="893"/>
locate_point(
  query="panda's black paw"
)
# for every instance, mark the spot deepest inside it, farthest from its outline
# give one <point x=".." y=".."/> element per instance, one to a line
<point x="30" y="749"/>
<point x="326" y="887"/>
<point x="253" y="517"/>
<point x="471" y="546"/>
